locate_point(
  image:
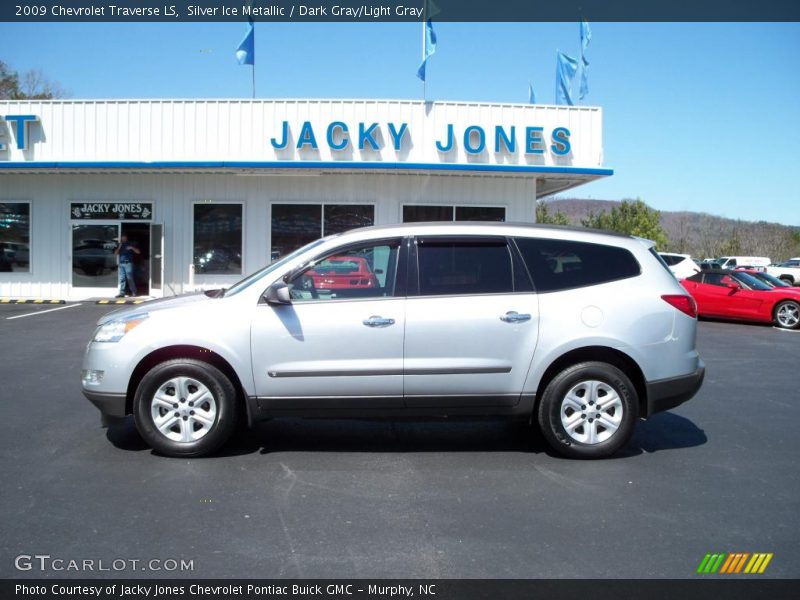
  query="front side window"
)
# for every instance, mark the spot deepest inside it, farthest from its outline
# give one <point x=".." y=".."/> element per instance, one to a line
<point x="15" y="237"/>
<point x="218" y="239"/>
<point x="368" y="271"/>
<point x="564" y="264"/>
<point x="464" y="267"/>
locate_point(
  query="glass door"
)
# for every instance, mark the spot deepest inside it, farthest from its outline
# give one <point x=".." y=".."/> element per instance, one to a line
<point x="94" y="264"/>
<point x="156" y="260"/>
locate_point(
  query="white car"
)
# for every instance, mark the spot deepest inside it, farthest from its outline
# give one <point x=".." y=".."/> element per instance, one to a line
<point x="681" y="265"/>
<point x="788" y="271"/>
<point x="581" y="332"/>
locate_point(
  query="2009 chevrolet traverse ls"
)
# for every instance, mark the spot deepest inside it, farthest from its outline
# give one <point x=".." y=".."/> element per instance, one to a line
<point x="582" y="331"/>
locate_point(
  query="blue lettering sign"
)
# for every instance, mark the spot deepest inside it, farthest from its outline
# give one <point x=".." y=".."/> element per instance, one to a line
<point x="21" y="122"/>
<point x="306" y="137"/>
<point x="397" y="134"/>
<point x="449" y="145"/>
<point x="468" y="139"/>
<point x="345" y="137"/>
<point x="561" y="145"/>
<point x="509" y="141"/>
<point x="285" y="140"/>
<point x="366" y="136"/>
<point x="534" y="144"/>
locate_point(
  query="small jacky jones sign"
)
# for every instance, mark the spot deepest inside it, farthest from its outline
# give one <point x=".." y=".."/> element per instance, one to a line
<point x="111" y="210"/>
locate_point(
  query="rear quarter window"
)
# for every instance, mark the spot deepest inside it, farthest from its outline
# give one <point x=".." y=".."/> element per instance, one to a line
<point x="564" y="264"/>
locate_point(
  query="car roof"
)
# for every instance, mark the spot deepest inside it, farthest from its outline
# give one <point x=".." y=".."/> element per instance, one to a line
<point x="488" y="228"/>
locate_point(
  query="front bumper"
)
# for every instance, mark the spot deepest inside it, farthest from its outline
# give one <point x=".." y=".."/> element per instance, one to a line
<point x="111" y="406"/>
<point x="669" y="393"/>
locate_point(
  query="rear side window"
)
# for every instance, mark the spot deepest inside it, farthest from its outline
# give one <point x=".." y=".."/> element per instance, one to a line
<point x="563" y="264"/>
<point x="464" y="267"/>
<point x="671" y="260"/>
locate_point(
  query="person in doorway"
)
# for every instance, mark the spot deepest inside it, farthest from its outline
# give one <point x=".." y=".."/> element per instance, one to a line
<point x="126" y="251"/>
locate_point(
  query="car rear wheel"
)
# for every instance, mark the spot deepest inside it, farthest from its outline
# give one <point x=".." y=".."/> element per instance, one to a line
<point x="588" y="410"/>
<point x="787" y="314"/>
<point x="787" y="279"/>
<point x="185" y="408"/>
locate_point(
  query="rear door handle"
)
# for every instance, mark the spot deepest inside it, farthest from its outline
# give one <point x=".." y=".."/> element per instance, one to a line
<point x="377" y="321"/>
<point x="513" y="316"/>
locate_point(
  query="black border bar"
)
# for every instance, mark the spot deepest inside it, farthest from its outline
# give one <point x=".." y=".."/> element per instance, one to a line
<point x="370" y="11"/>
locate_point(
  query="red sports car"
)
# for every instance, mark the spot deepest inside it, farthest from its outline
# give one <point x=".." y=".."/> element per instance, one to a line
<point x="741" y="296"/>
<point x="343" y="272"/>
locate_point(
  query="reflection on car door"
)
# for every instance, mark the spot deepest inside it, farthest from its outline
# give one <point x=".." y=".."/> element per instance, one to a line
<point x="334" y="348"/>
<point x="723" y="301"/>
<point x="472" y="326"/>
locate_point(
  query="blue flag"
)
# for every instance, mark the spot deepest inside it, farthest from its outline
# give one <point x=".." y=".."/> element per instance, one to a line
<point x="566" y="67"/>
<point x="531" y="95"/>
<point x="584" y="89"/>
<point x="428" y="47"/>
<point x="586" y="37"/>
<point x="246" y="52"/>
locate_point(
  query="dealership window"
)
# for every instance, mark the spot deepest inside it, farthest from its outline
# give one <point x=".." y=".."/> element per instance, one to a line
<point x="367" y="271"/>
<point x="218" y="239"/>
<point x="428" y="212"/>
<point x="15" y="237"/>
<point x="295" y="225"/>
<point x="470" y="267"/>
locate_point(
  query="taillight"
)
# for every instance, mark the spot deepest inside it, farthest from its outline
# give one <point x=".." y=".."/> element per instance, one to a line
<point x="683" y="303"/>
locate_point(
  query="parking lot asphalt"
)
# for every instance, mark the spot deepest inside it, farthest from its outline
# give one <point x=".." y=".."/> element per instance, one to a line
<point x="401" y="499"/>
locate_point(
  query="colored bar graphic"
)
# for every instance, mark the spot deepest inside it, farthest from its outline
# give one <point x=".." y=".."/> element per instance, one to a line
<point x="704" y="563"/>
<point x="730" y="563"/>
<point x="765" y="563"/>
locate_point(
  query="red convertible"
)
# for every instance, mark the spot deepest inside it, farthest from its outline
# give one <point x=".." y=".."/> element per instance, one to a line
<point x="343" y="272"/>
<point x="738" y="295"/>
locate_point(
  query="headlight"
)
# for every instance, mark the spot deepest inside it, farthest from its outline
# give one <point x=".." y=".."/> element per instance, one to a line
<point x="114" y="331"/>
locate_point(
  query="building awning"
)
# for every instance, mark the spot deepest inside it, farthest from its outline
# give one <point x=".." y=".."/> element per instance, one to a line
<point x="549" y="179"/>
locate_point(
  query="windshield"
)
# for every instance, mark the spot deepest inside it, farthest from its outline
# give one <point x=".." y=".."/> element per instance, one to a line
<point x="252" y="278"/>
<point x="752" y="282"/>
<point x="772" y="280"/>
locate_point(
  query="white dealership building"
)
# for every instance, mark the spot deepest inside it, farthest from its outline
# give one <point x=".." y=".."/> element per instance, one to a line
<point x="211" y="190"/>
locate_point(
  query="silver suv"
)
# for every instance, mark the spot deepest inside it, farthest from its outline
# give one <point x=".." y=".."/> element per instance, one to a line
<point x="583" y="332"/>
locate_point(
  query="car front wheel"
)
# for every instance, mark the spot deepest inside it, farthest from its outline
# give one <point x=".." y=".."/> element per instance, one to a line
<point x="588" y="410"/>
<point x="185" y="408"/>
<point x="787" y="314"/>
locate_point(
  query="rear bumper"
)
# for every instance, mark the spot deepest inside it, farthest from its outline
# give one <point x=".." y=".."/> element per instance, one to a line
<point x="669" y="393"/>
<point x="111" y="406"/>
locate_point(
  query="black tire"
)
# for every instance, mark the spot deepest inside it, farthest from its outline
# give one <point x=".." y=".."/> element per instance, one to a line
<point x="788" y="308"/>
<point x="554" y="396"/>
<point x="220" y="387"/>
<point x="787" y="279"/>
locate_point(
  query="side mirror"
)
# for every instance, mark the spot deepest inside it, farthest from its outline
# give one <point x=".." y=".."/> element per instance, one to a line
<point x="277" y="294"/>
<point x="732" y="285"/>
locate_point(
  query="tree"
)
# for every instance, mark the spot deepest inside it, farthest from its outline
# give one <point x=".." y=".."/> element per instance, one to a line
<point x="32" y="85"/>
<point x="544" y="217"/>
<point x="633" y="217"/>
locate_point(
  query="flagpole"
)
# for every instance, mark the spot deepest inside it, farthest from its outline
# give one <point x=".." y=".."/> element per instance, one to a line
<point x="424" y="81"/>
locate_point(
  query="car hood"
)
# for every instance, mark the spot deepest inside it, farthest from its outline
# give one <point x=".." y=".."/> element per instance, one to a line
<point x="152" y="306"/>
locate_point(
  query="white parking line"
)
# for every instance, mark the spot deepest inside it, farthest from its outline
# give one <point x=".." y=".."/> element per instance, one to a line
<point x="41" y="312"/>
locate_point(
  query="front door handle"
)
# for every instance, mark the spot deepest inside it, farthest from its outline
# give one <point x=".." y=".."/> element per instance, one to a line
<point x="377" y="321"/>
<point x="513" y="316"/>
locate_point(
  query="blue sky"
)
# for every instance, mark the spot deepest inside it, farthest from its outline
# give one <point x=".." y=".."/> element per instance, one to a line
<point x="696" y="116"/>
